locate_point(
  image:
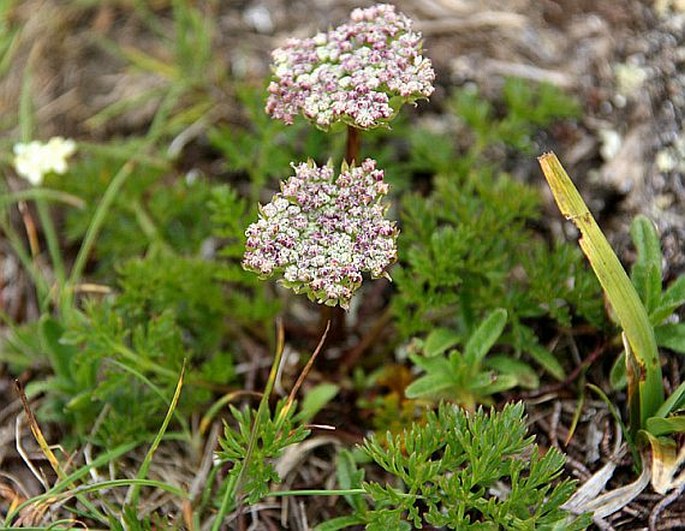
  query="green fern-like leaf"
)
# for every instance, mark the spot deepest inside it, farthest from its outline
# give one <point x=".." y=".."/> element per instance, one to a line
<point x="449" y="469"/>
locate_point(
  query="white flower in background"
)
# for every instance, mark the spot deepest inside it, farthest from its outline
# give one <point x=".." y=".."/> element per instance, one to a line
<point x="35" y="159"/>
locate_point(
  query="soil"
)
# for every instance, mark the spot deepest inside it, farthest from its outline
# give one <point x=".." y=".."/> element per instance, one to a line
<point x="623" y="59"/>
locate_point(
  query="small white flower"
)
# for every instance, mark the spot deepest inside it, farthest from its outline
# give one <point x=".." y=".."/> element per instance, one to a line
<point x="35" y="159"/>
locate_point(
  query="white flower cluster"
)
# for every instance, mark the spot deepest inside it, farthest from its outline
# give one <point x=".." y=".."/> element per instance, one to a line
<point x="358" y="73"/>
<point x="35" y="159"/>
<point x="321" y="232"/>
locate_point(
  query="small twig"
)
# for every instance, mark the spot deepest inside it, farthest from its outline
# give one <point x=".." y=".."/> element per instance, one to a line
<point x="659" y="508"/>
<point x="89" y="287"/>
<point x="9" y="410"/>
<point x="89" y="445"/>
<point x="325" y="427"/>
<point x="476" y="21"/>
<point x="529" y="72"/>
<point x="24" y="491"/>
<point x="305" y="371"/>
<point x="672" y="523"/>
<point x="554" y="425"/>
<point x="265" y="506"/>
<point x="603" y="524"/>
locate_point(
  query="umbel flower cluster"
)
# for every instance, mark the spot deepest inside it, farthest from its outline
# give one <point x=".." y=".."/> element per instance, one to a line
<point x="322" y="232"/>
<point x="359" y="73"/>
<point x="35" y="159"/>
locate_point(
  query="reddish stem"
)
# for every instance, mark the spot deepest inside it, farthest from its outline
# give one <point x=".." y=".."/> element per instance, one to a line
<point x="353" y="145"/>
<point x="336" y="315"/>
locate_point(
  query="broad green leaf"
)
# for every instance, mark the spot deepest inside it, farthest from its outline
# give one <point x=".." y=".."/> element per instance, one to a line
<point x="501" y="382"/>
<point x="316" y="398"/>
<point x="430" y="365"/>
<point x="429" y="385"/>
<point x="484" y="337"/>
<point x="439" y="340"/>
<point x="659" y="426"/>
<point x="672" y="299"/>
<point x="350" y="477"/>
<point x="671" y="335"/>
<point x="524" y="374"/>
<point x="458" y="365"/>
<point x="647" y="281"/>
<point x="546" y="360"/>
<point x="646" y="273"/>
<point x="482" y="380"/>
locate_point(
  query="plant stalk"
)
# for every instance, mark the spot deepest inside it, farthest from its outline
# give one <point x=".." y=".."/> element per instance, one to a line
<point x="353" y="145"/>
<point x="336" y="315"/>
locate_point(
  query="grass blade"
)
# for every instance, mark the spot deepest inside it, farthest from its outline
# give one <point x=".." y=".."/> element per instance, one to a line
<point x="45" y="194"/>
<point x="232" y="492"/>
<point x="50" y="498"/>
<point x="134" y="493"/>
<point x="631" y="313"/>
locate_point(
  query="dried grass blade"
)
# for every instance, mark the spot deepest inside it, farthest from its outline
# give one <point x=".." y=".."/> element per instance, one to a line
<point x="38" y="434"/>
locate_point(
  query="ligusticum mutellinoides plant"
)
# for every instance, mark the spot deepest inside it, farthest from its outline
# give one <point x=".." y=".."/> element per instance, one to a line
<point x="322" y="231"/>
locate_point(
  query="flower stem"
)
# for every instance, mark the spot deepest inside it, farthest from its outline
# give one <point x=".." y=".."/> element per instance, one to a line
<point x="323" y="492"/>
<point x="335" y="317"/>
<point x="353" y="145"/>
